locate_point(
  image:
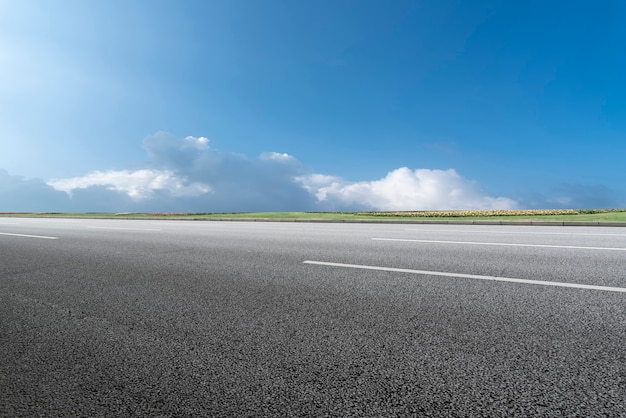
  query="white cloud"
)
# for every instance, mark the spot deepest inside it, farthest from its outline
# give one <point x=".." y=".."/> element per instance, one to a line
<point x="197" y="142"/>
<point x="30" y="195"/>
<point x="138" y="185"/>
<point x="187" y="169"/>
<point x="319" y="184"/>
<point x="276" y="156"/>
<point x="404" y="189"/>
<point x="187" y="175"/>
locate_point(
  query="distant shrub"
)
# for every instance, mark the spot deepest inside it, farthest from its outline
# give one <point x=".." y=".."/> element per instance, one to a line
<point x="481" y="213"/>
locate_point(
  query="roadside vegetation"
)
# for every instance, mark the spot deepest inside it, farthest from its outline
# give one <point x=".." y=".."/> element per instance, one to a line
<point x="552" y="215"/>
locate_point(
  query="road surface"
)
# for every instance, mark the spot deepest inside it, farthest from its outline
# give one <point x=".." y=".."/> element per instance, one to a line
<point x="188" y="319"/>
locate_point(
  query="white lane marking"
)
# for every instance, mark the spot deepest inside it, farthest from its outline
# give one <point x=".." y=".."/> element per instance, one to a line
<point x="500" y="244"/>
<point x="515" y="232"/>
<point x="177" y="223"/>
<point x="27" y="236"/>
<point x="66" y="221"/>
<point x="470" y="276"/>
<point x="123" y="229"/>
<point x="8" y="223"/>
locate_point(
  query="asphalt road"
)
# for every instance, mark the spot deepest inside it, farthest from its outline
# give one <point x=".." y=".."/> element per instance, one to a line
<point x="177" y="318"/>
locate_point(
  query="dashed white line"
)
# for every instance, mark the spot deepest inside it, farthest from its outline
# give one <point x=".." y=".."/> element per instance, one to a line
<point x="27" y="236"/>
<point x="470" y="276"/>
<point x="505" y="244"/>
<point x="123" y="229"/>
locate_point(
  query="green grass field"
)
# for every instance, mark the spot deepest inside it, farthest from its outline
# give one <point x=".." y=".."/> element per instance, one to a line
<point x="570" y="215"/>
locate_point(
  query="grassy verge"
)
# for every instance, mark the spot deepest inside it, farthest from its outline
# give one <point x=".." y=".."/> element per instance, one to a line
<point x="558" y="215"/>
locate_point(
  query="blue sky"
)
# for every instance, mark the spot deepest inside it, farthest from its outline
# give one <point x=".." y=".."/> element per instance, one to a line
<point x="245" y="105"/>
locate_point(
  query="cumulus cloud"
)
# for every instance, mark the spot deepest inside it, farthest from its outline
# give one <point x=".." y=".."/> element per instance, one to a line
<point x="138" y="185"/>
<point x="405" y="189"/>
<point x="187" y="175"/>
<point x="197" y="142"/>
<point x="18" y="194"/>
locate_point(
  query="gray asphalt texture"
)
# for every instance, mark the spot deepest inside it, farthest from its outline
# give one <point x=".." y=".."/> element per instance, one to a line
<point x="224" y="319"/>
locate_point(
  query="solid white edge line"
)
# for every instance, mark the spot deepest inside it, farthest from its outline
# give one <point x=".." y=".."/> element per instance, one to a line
<point x="504" y="244"/>
<point x="469" y="276"/>
<point x="27" y="236"/>
<point x="121" y="228"/>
